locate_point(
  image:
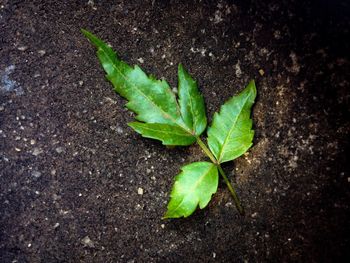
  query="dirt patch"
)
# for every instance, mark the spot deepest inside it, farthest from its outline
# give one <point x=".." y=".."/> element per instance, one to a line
<point x="71" y="170"/>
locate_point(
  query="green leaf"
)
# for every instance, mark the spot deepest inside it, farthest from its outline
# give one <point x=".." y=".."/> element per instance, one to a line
<point x="231" y="134"/>
<point x="168" y="134"/>
<point x="191" y="102"/>
<point x="152" y="100"/>
<point x="193" y="186"/>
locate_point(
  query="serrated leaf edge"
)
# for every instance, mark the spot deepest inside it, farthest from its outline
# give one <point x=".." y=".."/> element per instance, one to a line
<point x="194" y="187"/>
<point x="194" y="119"/>
<point x="234" y="124"/>
<point x="165" y="114"/>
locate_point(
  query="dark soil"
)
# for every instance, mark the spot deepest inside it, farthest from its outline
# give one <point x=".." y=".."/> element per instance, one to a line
<point x="71" y="169"/>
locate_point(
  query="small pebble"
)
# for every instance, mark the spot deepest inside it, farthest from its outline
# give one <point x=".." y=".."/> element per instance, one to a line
<point x="22" y="48"/>
<point x="36" y="174"/>
<point x="37" y="151"/>
<point x="119" y="130"/>
<point x="140" y="191"/>
<point x="59" y="149"/>
<point x="86" y="241"/>
<point x="41" y="52"/>
<point x="56" y="197"/>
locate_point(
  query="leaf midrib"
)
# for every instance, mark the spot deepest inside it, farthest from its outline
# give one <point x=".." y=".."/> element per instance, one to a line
<point x="160" y="131"/>
<point x="232" y="128"/>
<point x="194" y="121"/>
<point x="196" y="184"/>
<point x="165" y="114"/>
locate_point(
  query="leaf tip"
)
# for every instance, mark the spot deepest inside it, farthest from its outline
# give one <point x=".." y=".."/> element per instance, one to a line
<point x="183" y="73"/>
<point x="167" y="216"/>
<point x="86" y="33"/>
<point x="92" y="38"/>
<point x="132" y="124"/>
<point x="252" y="86"/>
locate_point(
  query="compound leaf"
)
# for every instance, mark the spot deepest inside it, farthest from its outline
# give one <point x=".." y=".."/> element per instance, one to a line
<point x="160" y="116"/>
<point x="231" y="134"/>
<point x="152" y="100"/>
<point x="168" y="134"/>
<point x="191" y="102"/>
<point x="193" y="186"/>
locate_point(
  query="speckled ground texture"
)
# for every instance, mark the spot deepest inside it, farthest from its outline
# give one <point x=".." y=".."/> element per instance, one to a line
<point x="78" y="185"/>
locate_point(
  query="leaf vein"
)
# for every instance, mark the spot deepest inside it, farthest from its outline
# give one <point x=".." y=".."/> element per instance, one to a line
<point x="165" y="114"/>
<point x="232" y="127"/>
<point x="167" y="132"/>
<point x="194" y="187"/>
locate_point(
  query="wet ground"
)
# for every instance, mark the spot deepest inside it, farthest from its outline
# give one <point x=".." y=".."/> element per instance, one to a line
<point x="78" y="185"/>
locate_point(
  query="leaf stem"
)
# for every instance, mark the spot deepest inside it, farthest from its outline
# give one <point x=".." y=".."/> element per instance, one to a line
<point x="221" y="171"/>
<point x="232" y="190"/>
<point x="206" y="151"/>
